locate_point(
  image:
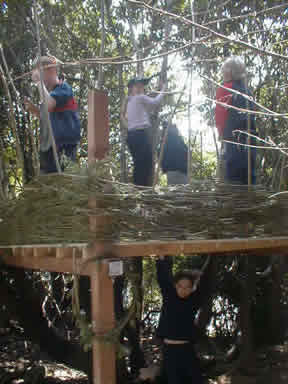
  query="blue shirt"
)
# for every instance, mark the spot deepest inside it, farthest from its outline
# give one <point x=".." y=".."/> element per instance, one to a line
<point x="64" y="121"/>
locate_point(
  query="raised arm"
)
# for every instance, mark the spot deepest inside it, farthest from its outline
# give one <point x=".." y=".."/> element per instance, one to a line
<point x="152" y="101"/>
<point x="164" y="274"/>
<point x="30" y="107"/>
<point x="205" y="283"/>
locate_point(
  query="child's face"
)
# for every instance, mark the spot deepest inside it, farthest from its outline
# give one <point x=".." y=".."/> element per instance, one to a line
<point x="49" y="76"/>
<point x="138" y="89"/>
<point x="184" y="288"/>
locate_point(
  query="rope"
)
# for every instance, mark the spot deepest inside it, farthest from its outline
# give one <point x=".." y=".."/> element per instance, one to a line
<point x="190" y="97"/>
<point x="249" y="140"/>
<point x="46" y="112"/>
<point x="102" y="48"/>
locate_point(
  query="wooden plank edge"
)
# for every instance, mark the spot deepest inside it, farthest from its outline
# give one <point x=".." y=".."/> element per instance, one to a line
<point x="50" y="264"/>
<point x="56" y="245"/>
<point x="159" y="248"/>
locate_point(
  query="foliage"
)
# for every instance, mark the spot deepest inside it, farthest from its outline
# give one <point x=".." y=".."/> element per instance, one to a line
<point x="71" y="31"/>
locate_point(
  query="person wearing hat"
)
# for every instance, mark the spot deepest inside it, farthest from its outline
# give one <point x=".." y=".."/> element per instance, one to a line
<point x="139" y="108"/>
<point x="63" y="115"/>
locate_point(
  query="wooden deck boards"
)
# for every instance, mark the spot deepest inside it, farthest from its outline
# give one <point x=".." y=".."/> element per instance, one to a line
<point x="72" y="258"/>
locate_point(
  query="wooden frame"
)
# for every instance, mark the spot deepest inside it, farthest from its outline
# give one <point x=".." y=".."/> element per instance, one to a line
<point x="74" y="258"/>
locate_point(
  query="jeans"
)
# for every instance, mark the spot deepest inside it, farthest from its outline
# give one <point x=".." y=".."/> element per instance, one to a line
<point x="141" y="151"/>
<point x="176" y="177"/>
<point x="236" y="164"/>
<point x="181" y="364"/>
<point x="65" y="153"/>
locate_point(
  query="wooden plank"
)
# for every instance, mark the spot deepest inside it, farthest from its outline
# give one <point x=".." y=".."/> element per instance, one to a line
<point x="104" y="358"/>
<point x="51" y="264"/>
<point x="43" y="252"/>
<point x="22" y="256"/>
<point x="102" y="296"/>
<point x="43" y="245"/>
<point x="150" y="248"/>
<point x="188" y="247"/>
<point x="27" y="252"/>
<point x="65" y="252"/>
<point x="98" y="125"/>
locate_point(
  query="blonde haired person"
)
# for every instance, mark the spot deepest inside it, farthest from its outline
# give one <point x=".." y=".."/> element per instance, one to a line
<point x="234" y="69"/>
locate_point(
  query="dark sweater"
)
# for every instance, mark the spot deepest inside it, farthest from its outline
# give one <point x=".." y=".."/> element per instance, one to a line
<point x="175" y="153"/>
<point x="238" y="120"/>
<point x="178" y="315"/>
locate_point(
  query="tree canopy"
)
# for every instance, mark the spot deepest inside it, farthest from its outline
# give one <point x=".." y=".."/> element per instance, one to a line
<point x="103" y="43"/>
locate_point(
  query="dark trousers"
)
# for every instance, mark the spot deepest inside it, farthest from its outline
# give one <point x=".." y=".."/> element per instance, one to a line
<point x="141" y="151"/>
<point x="181" y="364"/>
<point x="236" y="164"/>
<point x="47" y="160"/>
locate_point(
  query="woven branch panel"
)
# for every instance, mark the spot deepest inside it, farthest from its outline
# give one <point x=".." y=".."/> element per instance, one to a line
<point x="55" y="209"/>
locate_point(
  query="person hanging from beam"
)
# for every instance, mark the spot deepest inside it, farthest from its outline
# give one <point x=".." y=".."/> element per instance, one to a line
<point x="230" y="121"/>
<point x="63" y="114"/>
<point x="175" y="155"/>
<point x="183" y="295"/>
<point x="139" y="108"/>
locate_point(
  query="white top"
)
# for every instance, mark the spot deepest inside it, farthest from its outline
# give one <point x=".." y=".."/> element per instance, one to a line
<point x="139" y="108"/>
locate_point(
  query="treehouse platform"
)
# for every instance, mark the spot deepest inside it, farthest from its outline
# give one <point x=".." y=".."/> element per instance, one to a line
<point x="74" y="258"/>
<point x="78" y="223"/>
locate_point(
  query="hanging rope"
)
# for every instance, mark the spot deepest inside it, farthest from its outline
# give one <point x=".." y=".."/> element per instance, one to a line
<point x="249" y="142"/>
<point x="162" y="80"/>
<point x="249" y="133"/>
<point x="189" y="166"/>
<point x="102" y="49"/>
<point x="45" y="103"/>
<point x="123" y="129"/>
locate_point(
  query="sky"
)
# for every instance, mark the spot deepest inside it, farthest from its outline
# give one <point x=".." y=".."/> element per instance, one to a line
<point x="197" y="121"/>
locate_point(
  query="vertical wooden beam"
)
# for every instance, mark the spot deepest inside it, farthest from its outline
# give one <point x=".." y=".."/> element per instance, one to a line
<point x="104" y="370"/>
<point x="98" y="125"/>
<point x="104" y="364"/>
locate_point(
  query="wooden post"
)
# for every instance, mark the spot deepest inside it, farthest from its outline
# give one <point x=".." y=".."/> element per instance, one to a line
<point x="98" y="125"/>
<point x="104" y="365"/>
